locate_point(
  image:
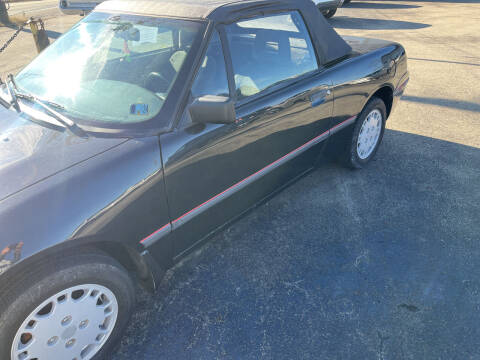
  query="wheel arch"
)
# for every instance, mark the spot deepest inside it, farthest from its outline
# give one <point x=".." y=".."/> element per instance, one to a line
<point x="385" y="92"/>
<point x="139" y="264"/>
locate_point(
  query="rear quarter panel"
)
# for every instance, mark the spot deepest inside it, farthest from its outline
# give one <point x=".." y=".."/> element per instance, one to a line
<point x="357" y="77"/>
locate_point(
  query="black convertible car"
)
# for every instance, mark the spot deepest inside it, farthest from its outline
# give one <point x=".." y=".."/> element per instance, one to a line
<point x="148" y="126"/>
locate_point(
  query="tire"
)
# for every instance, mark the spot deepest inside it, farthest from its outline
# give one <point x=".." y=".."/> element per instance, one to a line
<point x="81" y="290"/>
<point x="346" y="2"/>
<point x="356" y="154"/>
<point x="328" y="14"/>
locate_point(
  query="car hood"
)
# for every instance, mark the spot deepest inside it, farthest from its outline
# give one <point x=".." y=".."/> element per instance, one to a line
<point x="30" y="152"/>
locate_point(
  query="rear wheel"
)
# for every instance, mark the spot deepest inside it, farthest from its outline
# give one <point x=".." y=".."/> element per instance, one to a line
<point x="75" y="309"/>
<point x="367" y="134"/>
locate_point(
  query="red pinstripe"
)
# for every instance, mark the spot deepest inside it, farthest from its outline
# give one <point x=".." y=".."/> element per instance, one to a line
<point x="241" y="181"/>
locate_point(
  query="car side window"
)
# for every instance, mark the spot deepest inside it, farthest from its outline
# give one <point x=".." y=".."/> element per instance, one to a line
<point x="268" y="50"/>
<point x="212" y="76"/>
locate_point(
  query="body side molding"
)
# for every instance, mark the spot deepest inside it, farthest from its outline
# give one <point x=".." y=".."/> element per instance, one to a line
<point x="167" y="228"/>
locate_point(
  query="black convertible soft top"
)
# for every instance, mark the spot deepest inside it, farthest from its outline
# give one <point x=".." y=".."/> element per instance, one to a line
<point x="330" y="45"/>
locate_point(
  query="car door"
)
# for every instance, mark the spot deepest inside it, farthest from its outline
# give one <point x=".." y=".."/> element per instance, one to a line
<point x="214" y="172"/>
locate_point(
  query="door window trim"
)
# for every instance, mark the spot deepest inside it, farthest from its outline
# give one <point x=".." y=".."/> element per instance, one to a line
<point x="196" y="69"/>
<point x="185" y="95"/>
<point x="228" y="61"/>
<point x="220" y="27"/>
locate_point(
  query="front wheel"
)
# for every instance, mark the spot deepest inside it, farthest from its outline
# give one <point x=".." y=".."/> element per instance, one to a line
<point x="76" y="308"/>
<point x="367" y="134"/>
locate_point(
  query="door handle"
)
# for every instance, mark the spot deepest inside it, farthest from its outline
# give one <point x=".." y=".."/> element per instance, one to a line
<point x="319" y="97"/>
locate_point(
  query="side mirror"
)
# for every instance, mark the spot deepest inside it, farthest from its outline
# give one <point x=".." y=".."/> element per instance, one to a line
<point x="213" y="109"/>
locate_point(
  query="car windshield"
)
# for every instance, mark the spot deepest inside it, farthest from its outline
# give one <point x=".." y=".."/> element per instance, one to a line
<point x="111" y="68"/>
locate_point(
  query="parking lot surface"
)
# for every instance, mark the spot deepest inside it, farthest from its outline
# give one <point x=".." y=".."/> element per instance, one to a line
<point x="22" y="51"/>
<point x="382" y="263"/>
<point x="38" y="7"/>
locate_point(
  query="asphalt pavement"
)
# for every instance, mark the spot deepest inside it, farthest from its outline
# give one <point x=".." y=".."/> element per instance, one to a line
<point x="382" y="263"/>
<point x="22" y="50"/>
<point x="39" y="7"/>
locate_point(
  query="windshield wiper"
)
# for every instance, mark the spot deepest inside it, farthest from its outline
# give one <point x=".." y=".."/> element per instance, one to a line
<point x="21" y="95"/>
<point x="15" y="94"/>
<point x="12" y="92"/>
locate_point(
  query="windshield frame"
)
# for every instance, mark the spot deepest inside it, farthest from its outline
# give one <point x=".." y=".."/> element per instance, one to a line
<point x="164" y="120"/>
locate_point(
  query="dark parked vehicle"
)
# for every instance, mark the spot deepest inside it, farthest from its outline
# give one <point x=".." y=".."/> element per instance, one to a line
<point x="328" y="7"/>
<point x="148" y="126"/>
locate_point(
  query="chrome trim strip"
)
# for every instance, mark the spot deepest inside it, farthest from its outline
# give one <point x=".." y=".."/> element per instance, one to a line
<point x="343" y="125"/>
<point x="247" y="181"/>
<point x="401" y="88"/>
<point x="166" y="229"/>
<point x="157" y="235"/>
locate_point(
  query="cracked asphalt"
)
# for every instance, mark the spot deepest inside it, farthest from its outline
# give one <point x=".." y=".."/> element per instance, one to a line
<point x="382" y="263"/>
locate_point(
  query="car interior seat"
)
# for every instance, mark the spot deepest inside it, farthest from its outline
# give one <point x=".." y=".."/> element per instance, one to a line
<point x="159" y="80"/>
<point x="185" y="42"/>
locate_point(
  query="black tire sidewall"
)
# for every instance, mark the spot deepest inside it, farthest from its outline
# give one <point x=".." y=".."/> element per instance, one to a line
<point x="328" y="14"/>
<point x="49" y="279"/>
<point x="353" y="159"/>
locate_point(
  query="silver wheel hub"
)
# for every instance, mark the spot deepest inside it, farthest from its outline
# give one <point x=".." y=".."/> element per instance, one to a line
<point x="369" y="134"/>
<point x="73" y="325"/>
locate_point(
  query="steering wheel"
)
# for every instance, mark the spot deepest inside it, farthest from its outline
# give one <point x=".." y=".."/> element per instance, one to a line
<point x="156" y="82"/>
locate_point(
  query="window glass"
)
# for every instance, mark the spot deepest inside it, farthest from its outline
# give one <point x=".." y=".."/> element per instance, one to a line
<point x="112" y="68"/>
<point x="163" y="39"/>
<point x="212" y="75"/>
<point x="282" y="22"/>
<point x="268" y="50"/>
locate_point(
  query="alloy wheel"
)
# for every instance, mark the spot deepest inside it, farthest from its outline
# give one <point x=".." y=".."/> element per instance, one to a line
<point x="369" y="134"/>
<point x="73" y="324"/>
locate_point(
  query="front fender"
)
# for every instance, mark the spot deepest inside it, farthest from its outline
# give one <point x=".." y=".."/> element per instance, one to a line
<point x="117" y="196"/>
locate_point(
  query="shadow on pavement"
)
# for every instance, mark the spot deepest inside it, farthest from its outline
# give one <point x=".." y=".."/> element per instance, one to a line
<point x="445" y="61"/>
<point x="436" y="1"/>
<point x="50" y="33"/>
<point x="456" y="104"/>
<point x="344" y="22"/>
<point x="385" y="259"/>
<point x="372" y="5"/>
